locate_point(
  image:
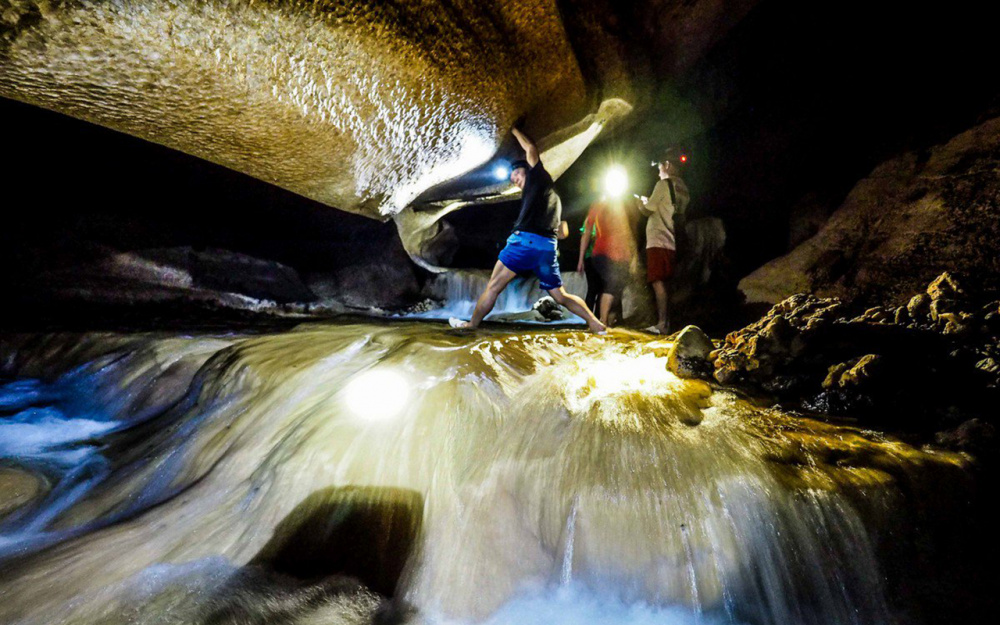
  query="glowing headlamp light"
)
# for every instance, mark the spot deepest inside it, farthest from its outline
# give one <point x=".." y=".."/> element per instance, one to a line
<point x="616" y="181"/>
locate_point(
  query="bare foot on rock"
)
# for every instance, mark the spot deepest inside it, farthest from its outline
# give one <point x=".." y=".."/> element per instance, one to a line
<point x="598" y="328"/>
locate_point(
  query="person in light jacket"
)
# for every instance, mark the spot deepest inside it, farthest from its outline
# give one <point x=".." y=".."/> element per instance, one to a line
<point x="664" y="207"/>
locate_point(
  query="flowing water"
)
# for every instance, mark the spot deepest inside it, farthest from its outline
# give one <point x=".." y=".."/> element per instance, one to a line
<point x="458" y="290"/>
<point x="529" y="477"/>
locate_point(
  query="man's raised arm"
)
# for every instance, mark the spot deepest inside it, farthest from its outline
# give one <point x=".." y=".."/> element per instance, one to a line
<point x="529" y="147"/>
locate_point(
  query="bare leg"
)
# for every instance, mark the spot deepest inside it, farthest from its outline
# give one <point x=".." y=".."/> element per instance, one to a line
<point x="662" y="312"/>
<point x="498" y="282"/>
<point x="578" y="307"/>
<point x="607" y="301"/>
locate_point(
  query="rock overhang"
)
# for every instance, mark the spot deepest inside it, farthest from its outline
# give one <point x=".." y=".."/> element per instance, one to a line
<point x="364" y="107"/>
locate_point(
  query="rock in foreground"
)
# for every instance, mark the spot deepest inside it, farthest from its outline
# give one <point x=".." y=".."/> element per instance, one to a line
<point x="927" y="366"/>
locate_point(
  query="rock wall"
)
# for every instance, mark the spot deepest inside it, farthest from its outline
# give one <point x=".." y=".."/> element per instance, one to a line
<point x="911" y="218"/>
<point x="930" y="366"/>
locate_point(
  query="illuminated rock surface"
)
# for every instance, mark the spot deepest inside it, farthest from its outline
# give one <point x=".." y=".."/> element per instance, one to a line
<point x="359" y="106"/>
<point x="926" y="366"/>
<point x="547" y="477"/>
<point x="900" y="226"/>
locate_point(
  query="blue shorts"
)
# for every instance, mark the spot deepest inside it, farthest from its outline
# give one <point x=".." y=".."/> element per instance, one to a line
<point x="526" y="251"/>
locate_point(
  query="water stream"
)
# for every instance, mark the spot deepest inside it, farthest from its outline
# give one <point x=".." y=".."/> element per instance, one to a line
<point x="530" y="477"/>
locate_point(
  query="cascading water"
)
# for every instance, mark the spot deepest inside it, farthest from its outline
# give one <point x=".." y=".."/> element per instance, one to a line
<point x="459" y="289"/>
<point x="490" y="477"/>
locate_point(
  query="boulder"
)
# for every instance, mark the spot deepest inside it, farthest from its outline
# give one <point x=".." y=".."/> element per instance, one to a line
<point x="919" y="367"/>
<point x="919" y="307"/>
<point x="945" y="286"/>
<point x="233" y="272"/>
<point x="689" y="356"/>
<point x="549" y="309"/>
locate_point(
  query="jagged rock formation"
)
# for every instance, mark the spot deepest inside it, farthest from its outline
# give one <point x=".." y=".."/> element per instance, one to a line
<point x="912" y="216"/>
<point x="925" y="366"/>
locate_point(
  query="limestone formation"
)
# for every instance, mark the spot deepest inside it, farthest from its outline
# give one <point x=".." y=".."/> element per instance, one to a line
<point x="920" y="366"/>
<point x="361" y="106"/>
<point x="895" y="231"/>
<point x="856" y="373"/>
<point x="761" y="349"/>
<point x="689" y="355"/>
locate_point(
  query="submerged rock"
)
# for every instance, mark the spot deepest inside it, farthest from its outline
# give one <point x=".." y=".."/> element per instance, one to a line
<point x="689" y="356"/>
<point x="18" y="488"/>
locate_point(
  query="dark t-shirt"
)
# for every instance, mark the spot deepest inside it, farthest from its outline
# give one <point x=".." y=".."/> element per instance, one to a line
<point x="541" y="208"/>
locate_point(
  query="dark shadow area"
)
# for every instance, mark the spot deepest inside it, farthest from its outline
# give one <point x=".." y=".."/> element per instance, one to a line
<point x="796" y="105"/>
<point x="79" y="194"/>
<point x="363" y="532"/>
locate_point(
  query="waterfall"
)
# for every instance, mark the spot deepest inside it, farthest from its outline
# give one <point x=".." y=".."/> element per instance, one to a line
<point x="458" y="290"/>
<point x="531" y="477"/>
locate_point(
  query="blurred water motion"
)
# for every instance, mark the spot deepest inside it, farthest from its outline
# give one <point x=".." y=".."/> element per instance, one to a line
<point x="524" y="477"/>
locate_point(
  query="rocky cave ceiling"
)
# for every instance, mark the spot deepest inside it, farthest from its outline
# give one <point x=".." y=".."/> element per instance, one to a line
<point x="362" y="106"/>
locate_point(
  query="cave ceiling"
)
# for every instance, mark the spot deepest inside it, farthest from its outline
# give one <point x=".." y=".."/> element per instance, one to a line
<point x="363" y="106"/>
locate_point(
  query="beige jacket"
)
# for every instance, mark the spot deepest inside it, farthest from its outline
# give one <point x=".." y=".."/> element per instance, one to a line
<point x="662" y="210"/>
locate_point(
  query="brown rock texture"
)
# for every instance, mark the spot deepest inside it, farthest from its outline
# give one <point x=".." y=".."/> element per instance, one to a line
<point x="362" y="106"/>
<point x="899" y="227"/>
<point x="925" y="366"/>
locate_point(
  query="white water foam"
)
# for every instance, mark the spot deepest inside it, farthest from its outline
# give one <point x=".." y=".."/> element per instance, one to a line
<point x="459" y="289"/>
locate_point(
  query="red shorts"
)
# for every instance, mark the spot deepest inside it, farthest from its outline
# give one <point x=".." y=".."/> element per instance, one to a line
<point x="659" y="264"/>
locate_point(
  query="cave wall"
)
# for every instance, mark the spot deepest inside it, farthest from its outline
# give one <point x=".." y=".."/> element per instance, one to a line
<point x="913" y="216"/>
<point x="87" y="205"/>
<point x="802" y="102"/>
<point x="783" y="106"/>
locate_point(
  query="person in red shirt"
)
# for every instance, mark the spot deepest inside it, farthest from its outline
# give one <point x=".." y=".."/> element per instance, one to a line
<point x="613" y="251"/>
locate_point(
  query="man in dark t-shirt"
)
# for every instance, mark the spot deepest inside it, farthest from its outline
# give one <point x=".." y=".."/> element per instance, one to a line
<point x="532" y="245"/>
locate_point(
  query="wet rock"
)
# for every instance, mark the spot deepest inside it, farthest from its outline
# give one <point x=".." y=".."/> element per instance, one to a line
<point x="689" y="356"/>
<point x="946" y="287"/>
<point x="858" y="373"/>
<point x="389" y="284"/>
<point x="919" y="307"/>
<point x="928" y="365"/>
<point x="990" y="315"/>
<point x="876" y="314"/>
<point x="759" y="350"/>
<point x="233" y="272"/>
<point x="549" y="309"/>
<point x="990" y="366"/>
<point x="18" y="488"/>
<point x="366" y="532"/>
<point x="178" y="272"/>
<point x="901" y="316"/>
<point x="956" y="322"/>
